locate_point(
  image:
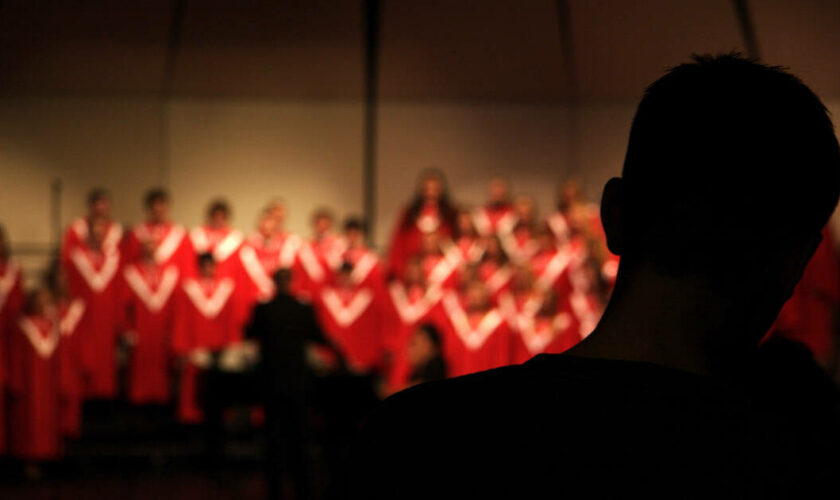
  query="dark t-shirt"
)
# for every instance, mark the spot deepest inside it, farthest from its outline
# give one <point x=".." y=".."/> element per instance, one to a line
<point x="601" y="428"/>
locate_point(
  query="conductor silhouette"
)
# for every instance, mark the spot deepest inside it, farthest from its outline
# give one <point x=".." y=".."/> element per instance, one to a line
<point x="732" y="170"/>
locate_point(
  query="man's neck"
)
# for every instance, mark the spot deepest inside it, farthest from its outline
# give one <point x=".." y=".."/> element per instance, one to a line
<point x="671" y="322"/>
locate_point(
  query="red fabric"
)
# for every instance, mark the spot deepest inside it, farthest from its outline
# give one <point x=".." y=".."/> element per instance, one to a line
<point x="442" y="270"/>
<point x="473" y="342"/>
<point x="260" y="258"/>
<point x="149" y="305"/>
<point x="93" y="276"/>
<point x="77" y="234"/>
<point x="406" y="239"/>
<point x="404" y="309"/>
<point x="471" y="250"/>
<point x="534" y="334"/>
<point x="70" y="317"/>
<point x="494" y="219"/>
<point x="497" y="279"/>
<point x="351" y="317"/>
<point x="809" y="315"/>
<point x="205" y="315"/>
<point x="11" y="302"/>
<point x="315" y="265"/>
<point x="223" y="243"/>
<point x="171" y="242"/>
<point x="34" y="385"/>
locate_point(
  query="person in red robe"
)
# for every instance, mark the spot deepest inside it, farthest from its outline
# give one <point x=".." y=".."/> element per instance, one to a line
<point x="497" y="216"/>
<point x="34" y="382"/>
<point x="11" y="303"/>
<point x="467" y="239"/>
<point x="519" y="242"/>
<point x="430" y="211"/>
<point x="149" y="309"/>
<point x="93" y="276"/>
<point x="319" y="257"/>
<point x="409" y="302"/>
<point x="367" y="269"/>
<point x="99" y="206"/>
<point x="170" y="241"/>
<point x="441" y="261"/>
<point x="217" y="238"/>
<point x="495" y="269"/>
<point x="265" y="251"/>
<point x="206" y="322"/>
<point x="476" y="335"/>
<point x="350" y="316"/>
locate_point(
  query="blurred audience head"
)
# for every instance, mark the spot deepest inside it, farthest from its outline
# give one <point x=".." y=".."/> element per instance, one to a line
<point x="424" y="344"/>
<point x="498" y="191"/>
<point x="99" y="202"/>
<point x="156" y="203"/>
<point x="206" y="265"/>
<point x="218" y="213"/>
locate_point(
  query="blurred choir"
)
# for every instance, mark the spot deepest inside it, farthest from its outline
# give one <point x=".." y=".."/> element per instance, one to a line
<point x="460" y="290"/>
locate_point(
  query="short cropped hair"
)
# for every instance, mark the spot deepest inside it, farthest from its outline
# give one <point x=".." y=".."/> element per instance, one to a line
<point x="727" y="158"/>
<point x="155" y="195"/>
<point x="218" y="205"/>
<point x="355" y="224"/>
<point x="97" y="194"/>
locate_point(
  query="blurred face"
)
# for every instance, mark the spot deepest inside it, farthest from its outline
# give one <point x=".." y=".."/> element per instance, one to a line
<point x="431" y="243"/>
<point x="497" y="191"/>
<point x="278" y="212"/>
<point x="493" y="248"/>
<point x="322" y="225"/>
<point x="569" y="192"/>
<point x="355" y="238"/>
<point x="522" y="280"/>
<point x="267" y="225"/>
<point x="524" y="208"/>
<point x="465" y="222"/>
<point x="420" y="348"/>
<point x="431" y="188"/>
<point x="101" y="207"/>
<point x="476" y="296"/>
<point x="159" y="211"/>
<point x="207" y="268"/>
<point x="218" y="218"/>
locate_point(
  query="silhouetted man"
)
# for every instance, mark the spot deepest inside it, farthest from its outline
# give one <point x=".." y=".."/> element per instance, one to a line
<point x="285" y="328"/>
<point x="732" y="169"/>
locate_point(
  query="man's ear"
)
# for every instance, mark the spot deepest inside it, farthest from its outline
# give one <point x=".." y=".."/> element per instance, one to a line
<point x="612" y="215"/>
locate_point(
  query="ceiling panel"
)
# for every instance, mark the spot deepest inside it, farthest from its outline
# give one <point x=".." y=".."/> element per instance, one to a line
<point x="804" y="36"/>
<point x="96" y="46"/>
<point x="621" y="47"/>
<point x="289" y="49"/>
<point x="462" y="49"/>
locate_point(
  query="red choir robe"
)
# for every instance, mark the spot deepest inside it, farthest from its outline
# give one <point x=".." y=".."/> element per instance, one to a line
<point x="494" y="219"/>
<point x="551" y="270"/>
<point x="558" y="222"/>
<point x="405" y="308"/>
<point x="471" y="249"/>
<point x="171" y="242"/>
<point x="35" y="387"/>
<point x="496" y="278"/>
<point x="223" y="243"/>
<point x="534" y="333"/>
<point x="443" y="269"/>
<point x="93" y="276"/>
<point x="206" y="317"/>
<point x="473" y="342"/>
<point x="407" y="238"/>
<point x="261" y="257"/>
<point x="519" y="244"/>
<point x="11" y="302"/>
<point x="350" y="316"/>
<point x="315" y="266"/>
<point x="149" y="307"/>
<point x="77" y="235"/>
<point x="70" y="314"/>
<point x="585" y="309"/>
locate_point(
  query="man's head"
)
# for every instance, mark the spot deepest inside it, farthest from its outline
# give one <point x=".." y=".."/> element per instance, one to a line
<point x="218" y="213"/>
<point x="267" y="224"/>
<point x="354" y="231"/>
<point x="99" y="202"/>
<point x="206" y="265"/>
<point x="322" y="221"/>
<point x="156" y="203"/>
<point x="732" y="170"/>
<point x="498" y="191"/>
